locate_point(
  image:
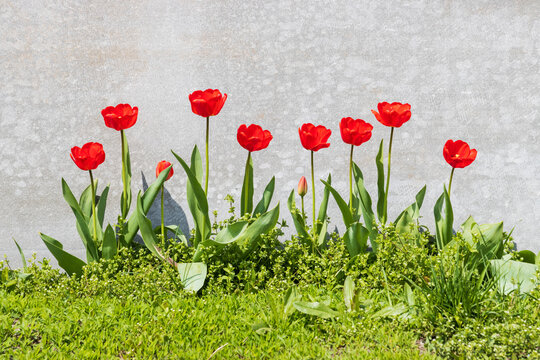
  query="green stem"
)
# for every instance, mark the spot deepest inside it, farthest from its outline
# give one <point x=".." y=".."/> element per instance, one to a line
<point x="313" y="191"/>
<point x="162" y="213"/>
<point x="388" y="177"/>
<point x="207" y="167"/>
<point x="93" y="205"/>
<point x="350" y="180"/>
<point x="450" y="183"/>
<point x="303" y="213"/>
<point x="124" y="180"/>
<point x="246" y="184"/>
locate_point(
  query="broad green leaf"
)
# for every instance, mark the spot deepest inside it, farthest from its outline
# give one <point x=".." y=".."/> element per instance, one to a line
<point x="246" y="198"/>
<point x="70" y="199"/>
<point x="101" y="205"/>
<point x="323" y="207"/>
<point x="125" y="200"/>
<point x="366" y="207"/>
<point x="512" y="275"/>
<point x="192" y="275"/>
<point x="298" y="221"/>
<point x="196" y="164"/>
<point x="321" y="238"/>
<point x="146" y="199"/>
<point x="315" y="308"/>
<point x="443" y="222"/>
<point x="391" y="311"/>
<point x="198" y="216"/>
<point x="262" y="225"/>
<point x="380" y="183"/>
<point x="71" y="264"/>
<point x="490" y="244"/>
<point x="291" y="296"/>
<point x="176" y="230"/>
<point x="231" y="233"/>
<point x="355" y="239"/>
<point x="264" y="204"/>
<point x="537" y="261"/>
<point x="109" y="243"/>
<point x="349" y="293"/>
<point x="528" y="256"/>
<point x="343" y="206"/>
<point x="414" y="209"/>
<point x="405" y="224"/>
<point x="85" y="201"/>
<point x="23" y="259"/>
<point x="145" y="225"/>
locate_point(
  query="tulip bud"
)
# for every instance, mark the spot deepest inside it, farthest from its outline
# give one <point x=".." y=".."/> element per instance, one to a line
<point x="302" y="186"/>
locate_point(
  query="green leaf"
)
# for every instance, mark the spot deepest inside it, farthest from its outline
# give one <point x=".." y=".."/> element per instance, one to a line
<point x="298" y="221"/>
<point x="71" y="264"/>
<point x="380" y="183"/>
<point x="264" y="204"/>
<point x="528" y="256"/>
<point x="291" y="296"/>
<point x="315" y="308"/>
<point x="192" y="275"/>
<point x="323" y="207"/>
<point x="147" y="199"/>
<point x="101" y="205"/>
<point x="537" y="261"/>
<point x="70" y="199"/>
<point x="490" y="245"/>
<point x="247" y="189"/>
<point x="321" y="238"/>
<point x="23" y="259"/>
<point x="145" y="225"/>
<point x="196" y="164"/>
<point x="512" y="275"/>
<point x="343" y="206"/>
<point x="366" y="207"/>
<point x="231" y="233"/>
<point x="109" y="243"/>
<point x="355" y="239"/>
<point x="443" y="222"/>
<point x="125" y="200"/>
<point x="349" y="293"/>
<point x="414" y="209"/>
<point x="85" y="201"/>
<point x="176" y="230"/>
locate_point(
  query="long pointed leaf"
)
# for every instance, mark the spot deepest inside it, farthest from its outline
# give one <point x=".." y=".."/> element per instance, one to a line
<point x="23" y="259"/>
<point x="380" y="183"/>
<point x="101" y="205"/>
<point x="85" y="201"/>
<point x="145" y="225"/>
<point x="298" y="221"/>
<point x="125" y="200"/>
<point x="324" y="206"/>
<point x="71" y="264"/>
<point x="355" y="239"/>
<point x="443" y="222"/>
<point x="264" y="204"/>
<point x="192" y="275"/>
<point x="343" y="206"/>
<point x="109" y="243"/>
<point x="366" y="207"/>
<point x="246" y="197"/>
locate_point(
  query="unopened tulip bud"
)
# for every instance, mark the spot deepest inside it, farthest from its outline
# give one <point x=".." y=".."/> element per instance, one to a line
<point x="302" y="186"/>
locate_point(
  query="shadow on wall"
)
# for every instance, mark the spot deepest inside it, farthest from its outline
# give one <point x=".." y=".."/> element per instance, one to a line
<point x="174" y="214"/>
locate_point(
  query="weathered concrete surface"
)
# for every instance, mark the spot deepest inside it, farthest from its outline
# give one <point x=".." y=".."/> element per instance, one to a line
<point x="469" y="69"/>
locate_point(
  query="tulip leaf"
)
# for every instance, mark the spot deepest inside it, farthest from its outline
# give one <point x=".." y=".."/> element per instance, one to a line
<point x="197" y="201"/>
<point x="101" y="205"/>
<point x="198" y="217"/>
<point x="315" y="308"/>
<point x="514" y="275"/>
<point x="70" y="199"/>
<point x="355" y="239"/>
<point x="246" y="198"/>
<point x="414" y="209"/>
<point x="291" y="296"/>
<point x="380" y="184"/>
<point x="85" y="201"/>
<point x="23" y="259"/>
<point x="192" y="275"/>
<point x="231" y="233"/>
<point x="109" y="243"/>
<point x="343" y="206"/>
<point x="349" y="293"/>
<point x="125" y="200"/>
<point x="264" y="204"/>
<point x="147" y="199"/>
<point x="443" y="222"/>
<point x="321" y="237"/>
<point x="145" y="225"/>
<point x="298" y="221"/>
<point x="366" y="207"/>
<point x="71" y="264"/>
<point x="321" y="218"/>
<point x="196" y="164"/>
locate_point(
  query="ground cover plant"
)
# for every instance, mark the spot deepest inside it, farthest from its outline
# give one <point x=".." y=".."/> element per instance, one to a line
<point x="236" y="287"/>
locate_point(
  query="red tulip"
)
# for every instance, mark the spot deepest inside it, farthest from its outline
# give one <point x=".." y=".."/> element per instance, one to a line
<point x="162" y="165"/>
<point x="207" y="103"/>
<point x="314" y="137"/>
<point x="89" y="157"/>
<point x="355" y="132"/>
<point x="253" y="137"/>
<point x="120" y="117"/>
<point x="458" y="154"/>
<point x="394" y="114"/>
<point x="302" y="186"/>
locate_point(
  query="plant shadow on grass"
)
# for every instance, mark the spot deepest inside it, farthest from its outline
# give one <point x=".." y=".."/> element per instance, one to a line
<point x="174" y="214"/>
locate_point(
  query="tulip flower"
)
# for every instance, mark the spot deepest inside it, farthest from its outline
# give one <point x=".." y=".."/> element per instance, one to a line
<point x="314" y="138"/>
<point x="354" y="132"/>
<point x="89" y="157"/>
<point x="392" y="115"/>
<point x="207" y="103"/>
<point x="302" y="191"/>
<point x="459" y="155"/>
<point x="252" y="138"/>
<point x="162" y="165"/>
<point x="121" y="117"/>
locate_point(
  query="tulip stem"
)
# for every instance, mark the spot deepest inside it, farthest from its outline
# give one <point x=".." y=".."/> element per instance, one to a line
<point x="303" y="213"/>
<point x="450" y="182"/>
<point x="350" y="180"/>
<point x="93" y="205"/>
<point x="162" y="213"/>
<point x="207" y="137"/>
<point x="313" y="191"/>
<point x="246" y="185"/>
<point x="124" y="180"/>
<point x="388" y="176"/>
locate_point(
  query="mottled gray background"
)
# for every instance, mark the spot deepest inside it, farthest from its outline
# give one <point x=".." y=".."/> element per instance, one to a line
<point x="469" y="69"/>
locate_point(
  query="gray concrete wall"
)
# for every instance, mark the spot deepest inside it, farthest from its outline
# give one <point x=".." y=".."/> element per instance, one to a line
<point x="469" y="69"/>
